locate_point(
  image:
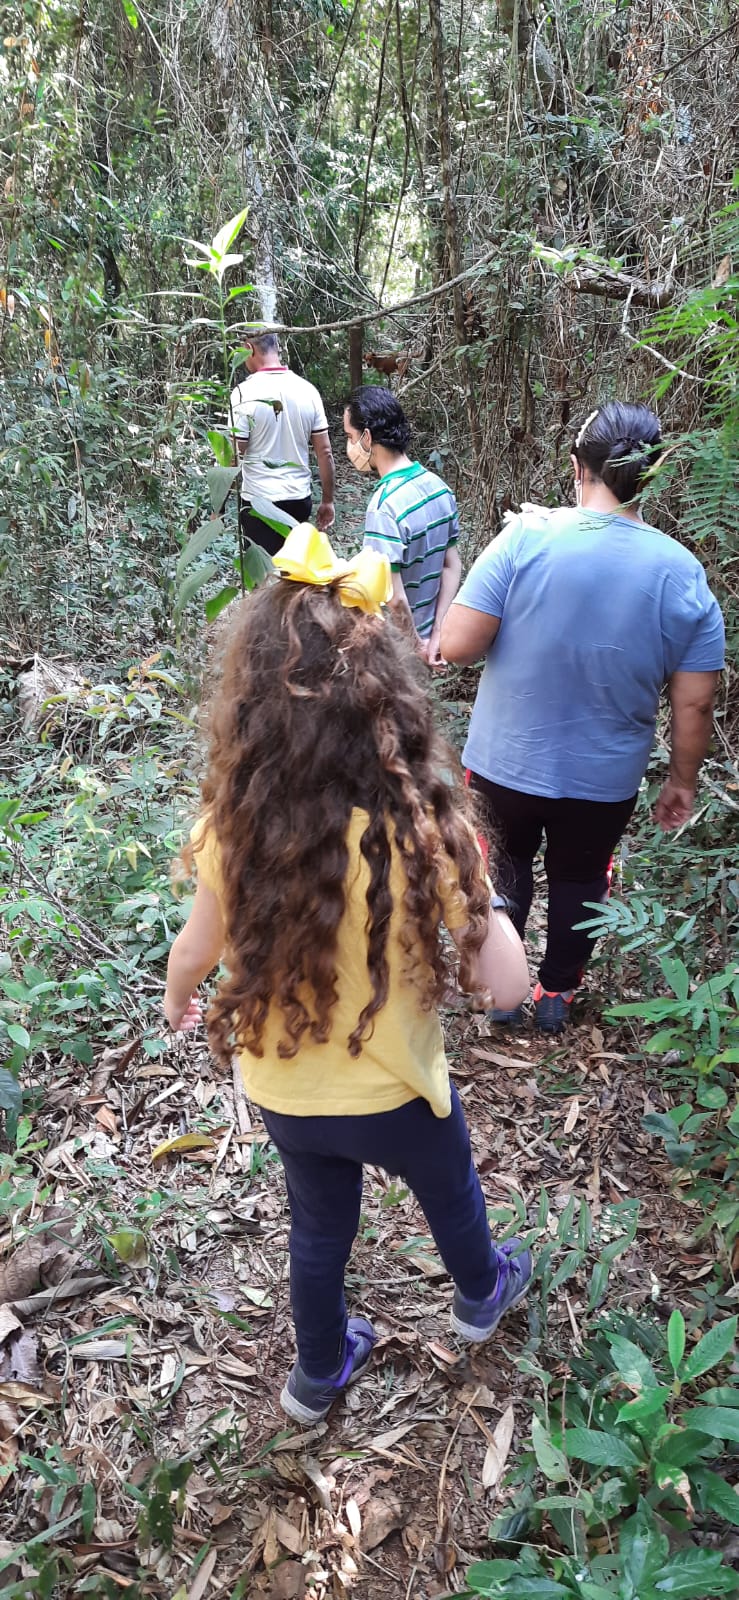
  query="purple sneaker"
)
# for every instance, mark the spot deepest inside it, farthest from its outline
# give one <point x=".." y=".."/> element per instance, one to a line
<point x="506" y="1019"/>
<point x="476" y="1320"/>
<point x="309" y="1400"/>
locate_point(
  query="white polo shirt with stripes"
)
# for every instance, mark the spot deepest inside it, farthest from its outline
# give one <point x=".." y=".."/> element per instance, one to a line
<point x="412" y="519"/>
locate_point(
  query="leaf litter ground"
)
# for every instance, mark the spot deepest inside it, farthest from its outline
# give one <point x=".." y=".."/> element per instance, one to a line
<point x="175" y="1338"/>
<point x="145" y="1318"/>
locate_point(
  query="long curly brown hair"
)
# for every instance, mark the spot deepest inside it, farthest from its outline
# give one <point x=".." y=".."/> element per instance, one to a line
<point x="320" y="710"/>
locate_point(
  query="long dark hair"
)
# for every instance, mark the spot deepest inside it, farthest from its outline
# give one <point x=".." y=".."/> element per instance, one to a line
<point x="319" y="710"/>
<point x="618" y="444"/>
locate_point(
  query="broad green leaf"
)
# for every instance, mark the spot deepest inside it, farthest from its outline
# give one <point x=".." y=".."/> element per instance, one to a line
<point x="198" y="542"/>
<point x="280" y="521"/>
<point x="226" y="235"/>
<point x="218" y="602"/>
<point x="131" y="12"/>
<point x="712" y="1096"/>
<point x="258" y="565"/>
<point x="718" y="1422"/>
<point x="676" y="1339"/>
<point x="662" y="1124"/>
<point x="711" y="1349"/>
<point x="694" y="1574"/>
<point x="677" y="976"/>
<point x="192" y="583"/>
<point x="18" y="1034"/>
<point x="599" y="1449"/>
<point x="643" y="1549"/>
<point x="220" y="481"/>
<point x="11" y="1101"/>
<point x="518" y="1586"/>
<point x="582" y="1501"/>
<point x="224" y="262"/>
<point x="723" y="1395"/>
<point x="646" y="1404"/>
<point x="551" y="1460"/>
<point x="490" y="1572"/>
<point x="716" y="1494"/>
<point x="680" y="1446"/>
<point x="222" y="447"/>
<point x="632" y="1364"/>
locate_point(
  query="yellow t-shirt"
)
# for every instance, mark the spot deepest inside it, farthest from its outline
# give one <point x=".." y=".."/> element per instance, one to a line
<point x="403" y="1059"/>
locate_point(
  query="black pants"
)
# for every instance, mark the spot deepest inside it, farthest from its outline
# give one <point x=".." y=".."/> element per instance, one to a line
<point x="253" y="528"/>
<point x="581" y="836"/>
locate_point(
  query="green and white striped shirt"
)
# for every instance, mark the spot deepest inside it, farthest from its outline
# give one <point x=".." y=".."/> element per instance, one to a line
<point x="412" y="519"/>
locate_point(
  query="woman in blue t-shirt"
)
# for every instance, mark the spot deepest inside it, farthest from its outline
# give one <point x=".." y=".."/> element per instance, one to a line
<point x="583" y="615"/>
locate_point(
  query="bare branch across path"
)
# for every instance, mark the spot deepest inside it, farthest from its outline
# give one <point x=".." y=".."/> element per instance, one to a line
<point x="382" y="311"/>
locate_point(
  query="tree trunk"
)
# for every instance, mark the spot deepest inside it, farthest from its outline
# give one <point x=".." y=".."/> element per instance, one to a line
<point x="223" y="43"/>
<point x="450" y="219"/>
<point x="356" y="333"/>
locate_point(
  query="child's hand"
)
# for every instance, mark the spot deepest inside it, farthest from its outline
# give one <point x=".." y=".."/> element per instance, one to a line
<point x="183" y="1020"/>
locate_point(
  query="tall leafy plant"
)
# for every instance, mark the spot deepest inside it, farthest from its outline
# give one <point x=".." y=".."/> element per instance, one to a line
<point x="700" y="340"/>
<point x="216" y="258"/>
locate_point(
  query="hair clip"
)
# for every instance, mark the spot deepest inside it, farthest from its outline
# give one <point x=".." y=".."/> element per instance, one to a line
<point x="585" y="426"/>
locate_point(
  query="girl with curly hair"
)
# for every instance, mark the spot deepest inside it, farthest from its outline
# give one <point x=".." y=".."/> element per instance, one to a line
<point x="334" y="847"/>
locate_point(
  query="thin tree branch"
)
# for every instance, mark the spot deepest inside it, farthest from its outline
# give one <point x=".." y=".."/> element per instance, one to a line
<point x="371" y="144"/>
<point x="713" y="39"/>
<point x="335" y="74"/>
<point x="670" y="365"/>
<point x="382" y="311"/>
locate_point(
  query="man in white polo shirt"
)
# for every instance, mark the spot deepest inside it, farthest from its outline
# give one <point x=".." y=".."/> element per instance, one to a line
<point x="277" y="416"/>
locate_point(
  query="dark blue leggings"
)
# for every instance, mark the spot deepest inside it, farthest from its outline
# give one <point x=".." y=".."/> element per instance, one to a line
<point x="323" y="1159"/>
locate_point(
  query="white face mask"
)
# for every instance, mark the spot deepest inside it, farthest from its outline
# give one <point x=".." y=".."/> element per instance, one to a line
<point x="359" y="454"/>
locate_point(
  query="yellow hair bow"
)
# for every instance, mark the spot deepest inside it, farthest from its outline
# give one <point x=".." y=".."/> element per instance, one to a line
<point x="306" y="557"/>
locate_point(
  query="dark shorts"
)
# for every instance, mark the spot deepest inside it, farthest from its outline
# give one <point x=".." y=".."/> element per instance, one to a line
<point x="253" y="528"/>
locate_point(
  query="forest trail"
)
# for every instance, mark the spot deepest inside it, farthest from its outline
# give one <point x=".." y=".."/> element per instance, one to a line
<point x="140" y="1431"/>
<point x="183" y="1352"/>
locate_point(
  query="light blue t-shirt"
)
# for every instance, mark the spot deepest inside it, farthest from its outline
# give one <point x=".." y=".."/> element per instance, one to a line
<point x="597" y="612"/>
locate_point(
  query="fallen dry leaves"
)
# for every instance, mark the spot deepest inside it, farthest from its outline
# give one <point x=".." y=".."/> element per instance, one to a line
<point x="153" y="1300"/>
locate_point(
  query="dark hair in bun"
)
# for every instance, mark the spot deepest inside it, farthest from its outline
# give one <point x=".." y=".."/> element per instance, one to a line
<point x="376" y="408"/>
<point x="618" y="444"/>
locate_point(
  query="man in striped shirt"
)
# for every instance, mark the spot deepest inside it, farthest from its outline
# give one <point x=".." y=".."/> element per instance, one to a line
<point x="411" y="518"/>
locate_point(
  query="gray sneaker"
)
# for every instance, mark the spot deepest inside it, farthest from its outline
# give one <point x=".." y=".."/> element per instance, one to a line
<point x="476" y="1320"/>
<point x="309" y="1400"/>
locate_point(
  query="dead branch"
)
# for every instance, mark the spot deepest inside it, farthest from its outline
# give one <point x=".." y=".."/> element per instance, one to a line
<point x="612" y="285"/>
<point x="370" y="316"/>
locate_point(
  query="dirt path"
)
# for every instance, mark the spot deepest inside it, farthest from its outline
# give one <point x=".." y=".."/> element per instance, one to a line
<point x="185" y="1354"/>
<point x="176" y="1346"/>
